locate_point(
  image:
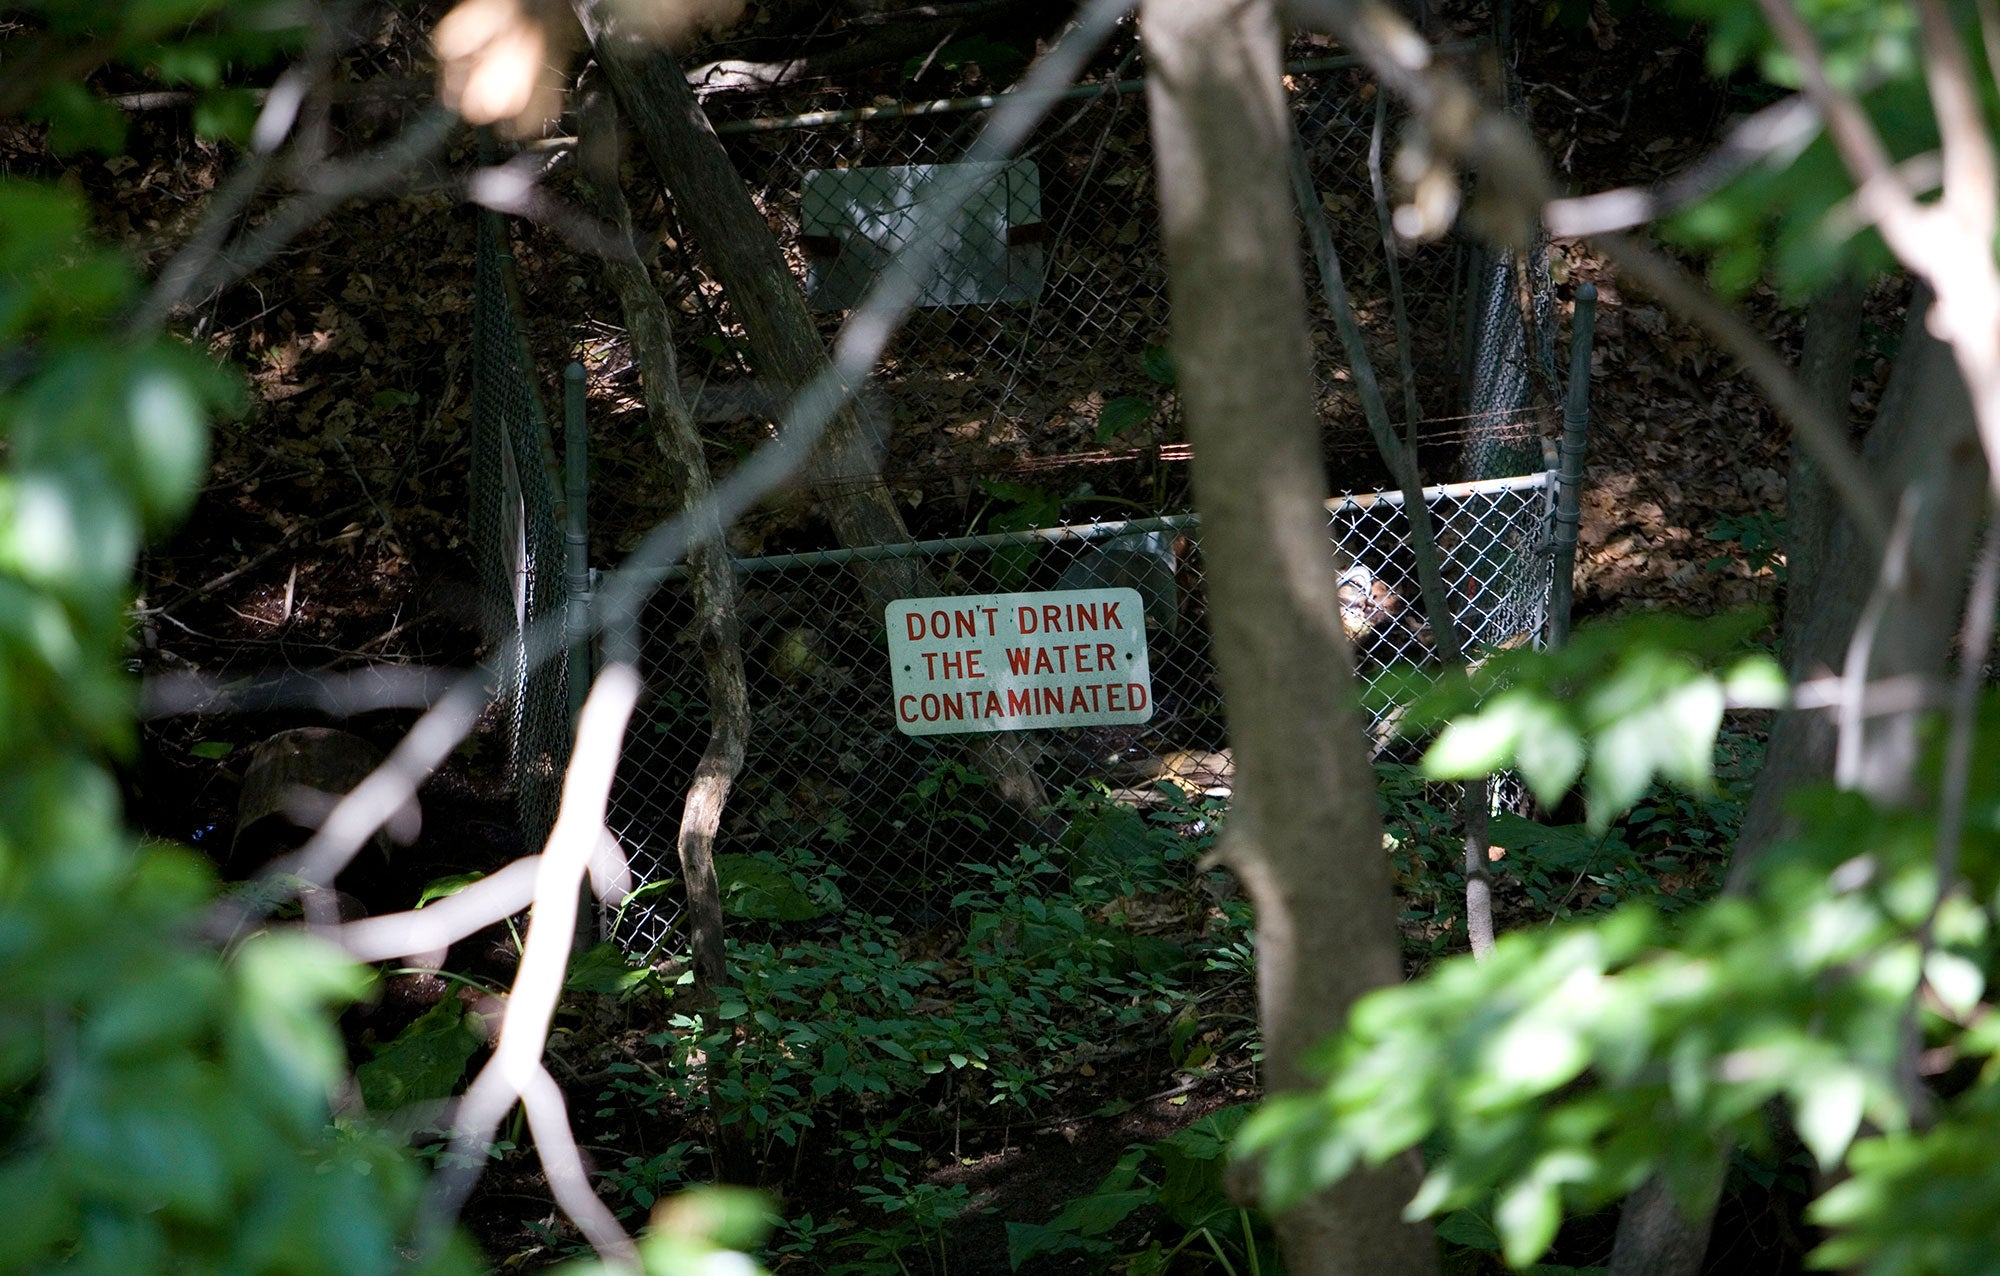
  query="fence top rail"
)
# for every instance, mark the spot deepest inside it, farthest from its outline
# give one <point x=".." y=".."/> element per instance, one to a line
<point x="1074" y="532"/>
<point x="986" y="101"/>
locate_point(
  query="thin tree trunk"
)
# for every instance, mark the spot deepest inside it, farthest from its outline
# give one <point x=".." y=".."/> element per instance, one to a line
<point x="1401" y="458"/>
<point x="712" y="578"/>
<point x="1826" y="366"/>
<point x="1925" y="443"/>
<point x="738" y="245"/>
<point x="649" y="328"/>
<point x="1304" y="835"/>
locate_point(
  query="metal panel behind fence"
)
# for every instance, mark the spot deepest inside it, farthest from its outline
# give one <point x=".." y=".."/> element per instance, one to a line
<point x="891" y="819"/>
<point x="1033" y="336"/>
<point x="516" y="538"/>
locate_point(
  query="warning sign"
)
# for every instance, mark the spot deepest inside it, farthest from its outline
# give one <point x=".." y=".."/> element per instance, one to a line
<point x="1008" y="662"/>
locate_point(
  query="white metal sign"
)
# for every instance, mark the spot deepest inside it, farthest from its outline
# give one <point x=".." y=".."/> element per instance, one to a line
<point x="1009" y="662"/>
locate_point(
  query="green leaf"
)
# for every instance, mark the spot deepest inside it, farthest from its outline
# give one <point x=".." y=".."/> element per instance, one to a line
<point x="756" y="889"/>
<point x="444" y="887"/>
<point x="1526" y="1216"/>
<point x="1122" y="414"/>
<point x="79" y="120"/>
<point x="1157" y="362"/>
<point x="1027" y="1241"/>
<point x="1828" y="1111"/>
<point x="1756" y="682"/>
<point x="226" y="115"/>
<point x="1472" y="1228"/>
<point x="425" y="1061"/>
<point x="1480" y="743"/>
<point x="604" y="968"/>
<point x="211" y="749"/>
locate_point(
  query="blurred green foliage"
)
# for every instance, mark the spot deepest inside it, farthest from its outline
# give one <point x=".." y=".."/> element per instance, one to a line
<point x="167" y="1097"/>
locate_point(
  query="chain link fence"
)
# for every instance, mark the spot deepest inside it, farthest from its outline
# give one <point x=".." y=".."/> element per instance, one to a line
<point x="887" y="820"/>
<point x="1043" y="329"/>
<point x="1043" y="333"/>
<point x="516" y="536"/>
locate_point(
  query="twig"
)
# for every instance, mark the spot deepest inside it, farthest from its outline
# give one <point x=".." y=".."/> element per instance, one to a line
<point x="431" y="930"/>
<point x="1965" y="708"/>
<point x="1774" y="135"/>
<point x="257" y="560"/>
<point x="1956" y="781"/>
<point x="1948" y="243"/>
<point x="1385" y="226"/>
<point x="365" y="690"/>
<point x="274" y="123"/>
<point x="515" y="1072"/>
<point x="1498" y="148"/>
<point x="515" y="188"/>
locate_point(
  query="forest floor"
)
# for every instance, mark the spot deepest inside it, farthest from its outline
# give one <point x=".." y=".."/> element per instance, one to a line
<point x="332" y="531"/>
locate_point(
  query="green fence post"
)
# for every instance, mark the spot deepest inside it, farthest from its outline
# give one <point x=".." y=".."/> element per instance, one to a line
<point x="576" y="535"/>
<point x="1569" y="474"/>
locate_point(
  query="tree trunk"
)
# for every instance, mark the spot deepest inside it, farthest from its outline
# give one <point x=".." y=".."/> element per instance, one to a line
<point x="738" y="246"/>
<point x="718" y="630"/>
<point x="1826" y="366"/>
<point x="1925" y="444"/>
<point x="712" y="577"/>
<point x="1304" y="832"/>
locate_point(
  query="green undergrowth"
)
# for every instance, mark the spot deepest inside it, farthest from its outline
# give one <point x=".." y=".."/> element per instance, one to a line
<point x="1672" y="847"/>
<point x="871" y="1049"/>
<point x="858" y="1056"/>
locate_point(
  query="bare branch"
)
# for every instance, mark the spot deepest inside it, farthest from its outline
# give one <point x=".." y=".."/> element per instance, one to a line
<point x="1980" y="608"/>
<point x="569" y="1181"/>
<point x="1497" y="147"/>
<point x="1775" y="135"/>
<point x="1969" y="169"/>
<point x="387" y="790"/>
<point x="208" y="264"/>
<point x="515" y="1071"/>
<point x="1853" y="133"/>
<point x="341" y="695"/>
<point x="1890" y="583"/>
<point x="1881" y="698"/>
<point x="438" y="927"/>
<point x="515" y="188"/>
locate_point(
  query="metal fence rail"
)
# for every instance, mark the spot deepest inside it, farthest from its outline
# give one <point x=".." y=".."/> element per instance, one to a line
<point x="889" y="819"/>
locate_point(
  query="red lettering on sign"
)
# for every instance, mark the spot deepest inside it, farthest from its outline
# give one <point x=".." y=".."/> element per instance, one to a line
<point x="903" y="711"/>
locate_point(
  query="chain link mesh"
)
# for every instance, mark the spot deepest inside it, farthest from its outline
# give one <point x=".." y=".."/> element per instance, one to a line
<point x="1051" y="304"/>
<point x="1043" y="332"/>
<point x="891" y="818"/>
<point x="516" y="537"/>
